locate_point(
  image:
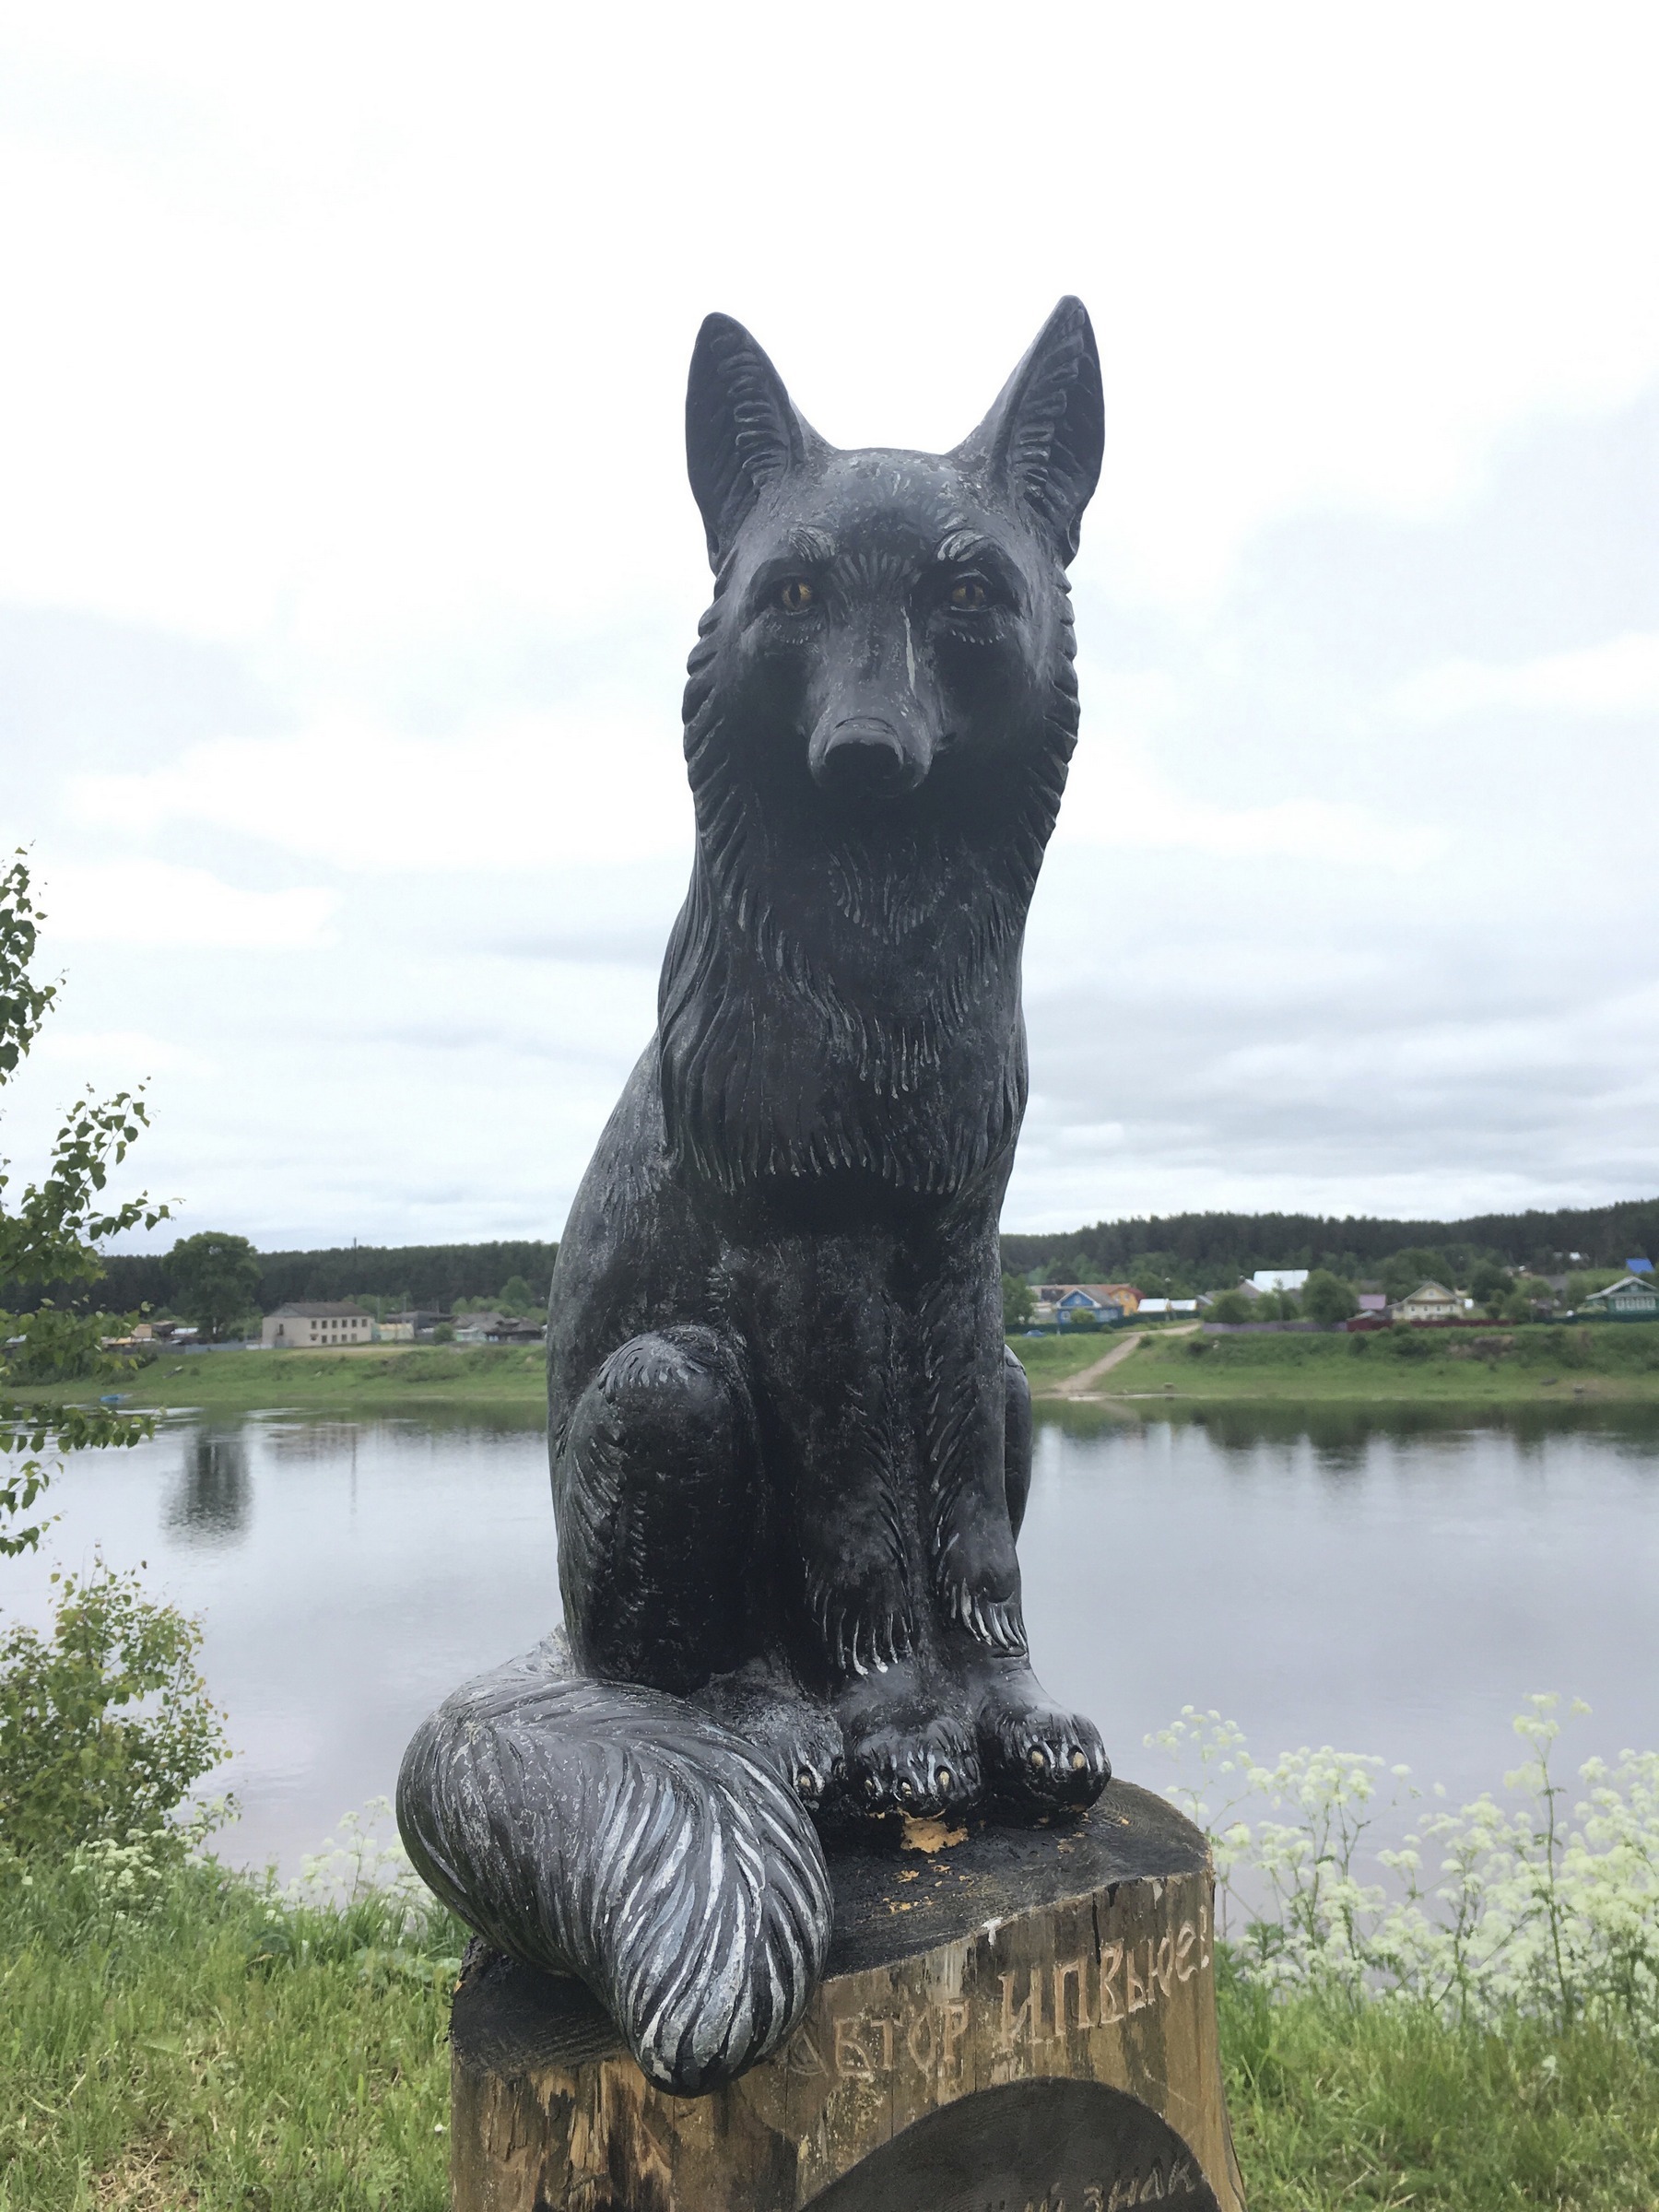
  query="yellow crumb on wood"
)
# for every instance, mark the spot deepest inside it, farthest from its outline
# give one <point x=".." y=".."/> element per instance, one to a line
<point x="931" y="1835"/>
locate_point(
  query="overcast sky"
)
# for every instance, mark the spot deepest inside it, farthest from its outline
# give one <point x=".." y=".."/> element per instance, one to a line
<point x="347" y="568"/>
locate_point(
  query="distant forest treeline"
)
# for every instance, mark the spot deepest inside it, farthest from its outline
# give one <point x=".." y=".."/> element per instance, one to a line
<point x="1197" y="1252"/>
<point x="1211" y="1249"/>
<point x="430" y="1275"/>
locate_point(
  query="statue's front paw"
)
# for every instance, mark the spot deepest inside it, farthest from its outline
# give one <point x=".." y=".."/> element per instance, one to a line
<point x="811" y="1759"/>
<point x="1040" y="1755"/>
<point x="797" y="1736"/>
<point x="923" y="1771"/>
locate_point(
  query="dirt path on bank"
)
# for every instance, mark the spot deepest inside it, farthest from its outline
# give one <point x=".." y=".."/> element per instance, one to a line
<point x="1076" y="1386"/>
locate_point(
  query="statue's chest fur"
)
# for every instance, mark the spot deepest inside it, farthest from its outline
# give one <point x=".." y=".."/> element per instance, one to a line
<point x="882" y="1049"/>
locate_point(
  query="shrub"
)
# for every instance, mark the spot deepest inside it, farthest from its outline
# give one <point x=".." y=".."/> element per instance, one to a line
<point x="1232" y="1306"/>
<point x="1326" y="1298"/>
<point x="104" y="1725"/>
<point x="1541" y="1909"/>
<point x="1408" y="1342"/>
<point x="49" y="1233"/>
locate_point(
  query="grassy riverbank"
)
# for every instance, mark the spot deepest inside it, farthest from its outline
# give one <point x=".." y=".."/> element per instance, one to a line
<point x="1539" y="1365"/>
<point x="215" y="2048"/>
<point x="1343" y="2105"/>
<point x="395" y="1378"/>
<point x="403" y="1378"/>
<point x="221" y="2050"/>
<point x="1428" y="1367"/>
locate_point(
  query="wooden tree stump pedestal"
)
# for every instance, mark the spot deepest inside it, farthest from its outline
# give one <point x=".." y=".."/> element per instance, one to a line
<point x="1023" y="2021"/>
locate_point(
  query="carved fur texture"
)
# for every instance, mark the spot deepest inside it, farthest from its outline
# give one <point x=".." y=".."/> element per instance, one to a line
<point x="789" y="1451"/>
<point x="616" y="1834"/>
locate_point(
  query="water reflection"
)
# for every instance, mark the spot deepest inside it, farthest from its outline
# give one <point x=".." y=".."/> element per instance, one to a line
<point x="1394" y="1577"/>
<point x="1348" y="1433"/>
<point x="212" y="1501"/>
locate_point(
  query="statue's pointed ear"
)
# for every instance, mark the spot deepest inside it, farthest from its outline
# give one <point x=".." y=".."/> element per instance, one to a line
<point x="742" y="431"/>
<point x="1044" y="436"/>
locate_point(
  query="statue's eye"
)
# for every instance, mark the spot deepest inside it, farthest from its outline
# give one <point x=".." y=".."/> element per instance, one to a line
<point x="795" y="597"/>
<point x="969" y="595"/>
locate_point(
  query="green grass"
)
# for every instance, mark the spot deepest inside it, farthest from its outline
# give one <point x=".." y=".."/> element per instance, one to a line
<point x="1372" y="2105"/>
<point x="1538" y="1365"/>
<point x="395" y="1377"/>
<point x="1050" y="1359"/>
<point x="220" y="2053"/>
<point x="398" y="1378"/>
<point x="229" y="2054"/>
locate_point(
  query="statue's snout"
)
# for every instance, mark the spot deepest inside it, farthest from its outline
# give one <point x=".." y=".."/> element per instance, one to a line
<point x="867" y="756"/>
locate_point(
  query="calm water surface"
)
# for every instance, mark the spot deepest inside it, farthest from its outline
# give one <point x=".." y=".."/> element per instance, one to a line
<point x="1389" y="1584"/>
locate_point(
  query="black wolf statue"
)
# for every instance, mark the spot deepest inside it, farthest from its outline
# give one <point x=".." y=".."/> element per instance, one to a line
<point x="790" y="1450"/>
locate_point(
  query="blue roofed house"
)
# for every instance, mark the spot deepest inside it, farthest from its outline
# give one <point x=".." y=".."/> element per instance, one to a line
<point x="1081" y="1303"/>
<point x="1639" y="1266"/>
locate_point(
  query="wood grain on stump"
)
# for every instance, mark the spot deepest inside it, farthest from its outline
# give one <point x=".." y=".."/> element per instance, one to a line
<point x="1023" y="2021"/>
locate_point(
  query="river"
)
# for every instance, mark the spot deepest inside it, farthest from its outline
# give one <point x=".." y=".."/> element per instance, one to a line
<point x="1389" y="1583"/>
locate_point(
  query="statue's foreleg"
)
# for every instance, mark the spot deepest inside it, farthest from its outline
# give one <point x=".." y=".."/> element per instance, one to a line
<point x="1032" y="1749"/>
<point x="965" y="1397"/>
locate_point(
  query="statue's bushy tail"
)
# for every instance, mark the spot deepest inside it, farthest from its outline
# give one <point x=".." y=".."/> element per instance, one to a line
<point x="615" y="1833"/>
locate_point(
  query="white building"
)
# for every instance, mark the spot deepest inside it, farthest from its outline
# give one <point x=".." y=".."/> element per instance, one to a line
<point x="1278" y="1278"/>
<point x="305" y="1327"/>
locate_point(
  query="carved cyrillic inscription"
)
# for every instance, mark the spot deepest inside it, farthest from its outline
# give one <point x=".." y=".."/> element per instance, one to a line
<point x="1045" y="2003"/>
<point x="1155" y="2184"/>
<point x="1016" y="2015"/>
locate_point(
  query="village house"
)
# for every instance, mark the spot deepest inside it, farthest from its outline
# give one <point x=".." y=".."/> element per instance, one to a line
<point x="474" y="1328"/>
<point x="305" y="1326"/>
<point x="1266" y="1279"/>
<point x="1067" y="1303"/>
<point x="404" y="1328"/>
<point x="1636" y="1298"/>
<point x="498" y="1328"/>
<point x="1428" y="1301"/>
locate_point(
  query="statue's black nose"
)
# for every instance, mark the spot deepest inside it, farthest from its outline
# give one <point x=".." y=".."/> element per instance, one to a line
<point x="864" y="756"/>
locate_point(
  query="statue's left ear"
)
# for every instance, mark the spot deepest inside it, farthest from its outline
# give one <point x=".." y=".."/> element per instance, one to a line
<point x="742" y="430"/>
<point x="1044" y="436"/>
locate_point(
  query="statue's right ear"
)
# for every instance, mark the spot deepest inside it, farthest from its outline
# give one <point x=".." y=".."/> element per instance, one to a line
<point x="742" y="431"/>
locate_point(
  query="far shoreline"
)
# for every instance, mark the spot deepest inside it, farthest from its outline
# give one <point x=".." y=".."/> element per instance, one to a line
<point x="1541" y="1364"/>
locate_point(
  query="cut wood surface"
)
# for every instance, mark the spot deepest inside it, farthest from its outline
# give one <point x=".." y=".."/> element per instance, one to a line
<point x="1025" y="2016"/>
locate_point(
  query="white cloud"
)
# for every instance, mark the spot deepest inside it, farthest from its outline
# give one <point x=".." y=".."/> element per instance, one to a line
<point x="1618" y="678"/>
<point x="153" y="904"/>
<point x="341" y="320"/>
<point x="596" y="781"/>
<point x="354" y="341"/>
<point x="1114" y="798"/>
<point x="126" y="1053"/>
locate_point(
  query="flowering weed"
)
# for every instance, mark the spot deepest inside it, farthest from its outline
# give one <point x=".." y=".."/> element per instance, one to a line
<point x="1546" y="1906"/>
